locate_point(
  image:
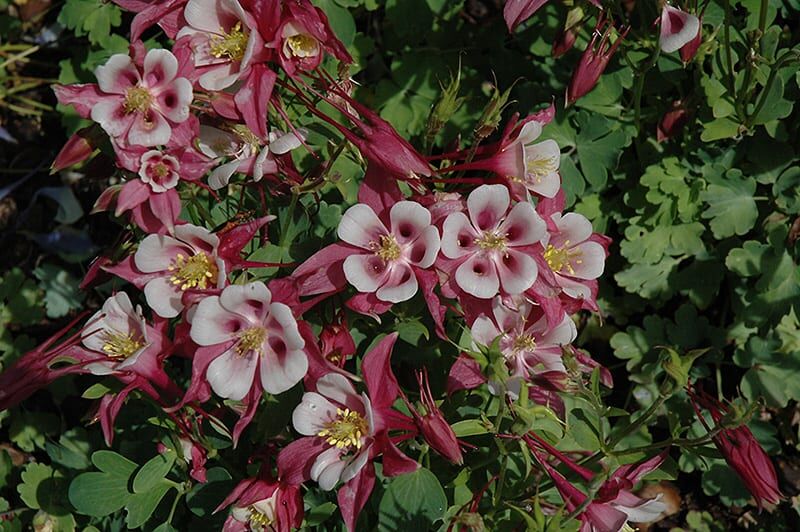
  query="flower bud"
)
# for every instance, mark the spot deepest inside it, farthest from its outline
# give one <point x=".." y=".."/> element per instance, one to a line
<point x="673" y="121"/>
<point x="78" y="148"/>
<point x="566" y="36"/>
<point x="594" y="60"/>
<point x="435" y="429"/>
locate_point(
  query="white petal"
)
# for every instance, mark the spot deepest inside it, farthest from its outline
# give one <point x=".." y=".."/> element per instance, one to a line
<point x="401" y="285"/>
<point x="221" y="175"/>
<point x="484" y="331"/>
<point x="337" y="387"/>
<point x="572" y="227"/>
<point x="487" y="205"/>
<point x="174" y="100"/>
<point x="356" y="463"/>
<point x="360" y="226"/>
<point x="562" y="334"/>
<point x="530" y="131"/>
<point x="310" y="416"/>
<point x="677" y="28"/>
<point x="153" y="131"/>
<point x="156" y="253"/>
<point x="458" y="236"/>
<point x="111" y="116"/>
<point x="478" y="276"/>
<point x="163" y="297"/>
<point x="408" y="220"/>
<point x="365" y="272"/>
<point x="517" y="271"/>
<point x="160" y="67"/>
<point x="327" y="468"/>
<point x="118" y="74"/>
<point x="592" y="261"/>
<point x="286" y="142"/>
<point x="231" y="375"/>
<point x="281" y="371"/>
<point x="523" y="225"/>
<point x="212" y="324"/>
<point x="424" y="250"/>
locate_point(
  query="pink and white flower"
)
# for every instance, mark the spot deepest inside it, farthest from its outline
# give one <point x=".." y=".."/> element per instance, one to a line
<point x="344" y="419"/>
<point x="185" y="260"/>
<point x="118" y="334"/>
<point x="263" y="504"/>
<point x="224" y="40"/>
<point x="573" y="255"/>
<point x="252" y="333"/>
<point x="528" y="344"/>
<point x="386" y="266"/>
<point x="159" y="170"/>
<point x="247" y="153"/>
<point x="139" y="106"/>
<point x="492" y="246"/>
<point x="678" y="28"/>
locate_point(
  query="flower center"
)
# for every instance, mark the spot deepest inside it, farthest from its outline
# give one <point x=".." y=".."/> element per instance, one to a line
<point x="346" y="430"/>
<point x="258" y="519"/>
<point x="137" y="100"/>
<point x="193" y="272"/>
<point x="491" y="240"/>
<point x="302" y="45"/>
<point x="540" y="167"/>
<point x="562" y="258"/>
<point x="119" y="346"/>
<point x="231" y="45"/>
<point x="523" y="342"/>
<point x="251" y="340"/>
<point x="386" y="248"/>
<point x="246" y="135"/>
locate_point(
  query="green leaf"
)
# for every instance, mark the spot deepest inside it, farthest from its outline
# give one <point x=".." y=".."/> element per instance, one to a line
<point x="61" y="291"/>
<point x="203" y="499"/>
<point x="600" y="144"/>
<point x="102" y="493"/>
<point x="469" y="427"/>
<point x="141" y="506"/>
<point x="153" y="472"/>
<point x="731" y="206"/>
<point x="721" y="128"/>
<point x="94" y="18"/>
<point x="412" y="501"/>
<point x="42" y="488"/>
<point x="72" y="449"/>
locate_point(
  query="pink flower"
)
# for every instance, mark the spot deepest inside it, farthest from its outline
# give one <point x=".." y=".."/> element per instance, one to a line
<point x="344" y="431"/>
<point x="516" y="12"/>
<point x="139" y="106"/>
<point x="224" y="41"/>
<point x="573" y="255"/>
<point x="432" y="424"/>
<point x="385" y="267"/>
<point x="249" y="332"/>
<point x="594" y="60"/>
<point x="246" y="152"/>
<point x="186" y="260"/>
<point x="263" y="505"/>
<point x="678" y="29"/>
<point x="673" y="121"/>
<point x="528" y="344"/>
<point x="78" y="148"/>
<point x="741" y="451"/>
<point x="122" y="340"/>
<point x="491" y="246"/>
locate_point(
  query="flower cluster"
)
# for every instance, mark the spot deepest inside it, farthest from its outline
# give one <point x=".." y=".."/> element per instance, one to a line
<point x="493" y="254"/>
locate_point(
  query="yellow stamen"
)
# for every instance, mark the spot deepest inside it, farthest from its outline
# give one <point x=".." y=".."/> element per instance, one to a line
<point x="562" y="258"/>
<point x="302" y="45"/>
<point x="258" y="520"/>
<point x="491" y="240"/>
<point x="161" y="170"/>
<point x="346" y="431"/>
<point x="231" y="45"/>
<point x="251" y="340"/>
<point x="119" y="346"/>
<point x="387" y="249"/>
<point x="197" y="271"/>
<point x="137" y="100"/>
<point x="524" y="342"/>
<point x="246" y="135"/>
<point x="540" y="167"/>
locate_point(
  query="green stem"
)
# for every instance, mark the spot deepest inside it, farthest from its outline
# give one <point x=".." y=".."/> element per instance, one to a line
<point x="728" y="55"/>
<point x="639" y="89"/>
<point x="762" y="100"/>
<point x="640" y="421"/>
<point x="501" y="477"/>
<point x="762" y="17"/>
<point x="288" y="219"/>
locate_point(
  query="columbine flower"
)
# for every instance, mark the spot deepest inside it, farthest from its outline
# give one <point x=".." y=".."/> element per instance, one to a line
<point x="528" y="344"/>
<point x="386" y="268"/>
<point x="138" y="107"/>
<point x="117" y="333"/>
<point x="247" y="153"/>
<point x="594" y="60"/>
<point x="490" y="245"/>
<point x="678" y="29"/>
<point x="186" y="260"/>
<point x="224" y="40"/>
<point x="741" y="451"/>
<point x="159" y="170"/>
<point x="572" y="254"/>
<point x="251" y="333"/>
<point x="263" y="505"/>
<point x="432" y="424"/>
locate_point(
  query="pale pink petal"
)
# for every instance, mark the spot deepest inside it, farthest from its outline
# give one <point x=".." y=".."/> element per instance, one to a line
<point x="542" y="161"/>
<point x="112" y="117"/>
<point x="408" y="220"/>
<point x="100" y="368"/>
<point x="220" y="77"/>
<point x="677" y="28"/>
<point x="281" y="369"/>
<point x="212" y="324"/>
<point x="282" y="322"/>
<point x="573" y="228"/>
<point x="530" y="132"/>
<point x="573" y="288"/>
<point x="646" y="512"/>
<point x="118" y="74"/>
<point x="221" y="175"/>
<point x="484" y="331"/>
<point x="214" y="143"/>
<point x="310" y="416"/>
<point x="173" y="101"/>
<point x="458" y="236"/>
<point x="517" y="271"/>
<point x="149" y="129"/>
<point x="160" y="67"/>
<point x="286" y="142"/>
<point x="365" y="272"/>
<point x="360" y="226"/>
<point x="337" y="387"/>
<point x="356" y="463"/>
<point x="327" y="469"/>
<point x="401" y="285"/>
<point x="199" y="238"/>
<point x="156" y="253"/>
<point x="204" y="15"/>
<point x="163" y="297"/>
<point x="562" y="334"/>
<point x="231" y="374"/>
<point x="251" y="301"/>
<point x="487" y="205"/>
<point x="478" y="276"/>
<point x="425" y="249"/>
<point x="589" y="264"/>
<point x="548" y="186"/>
<point x="523" y="226"/>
